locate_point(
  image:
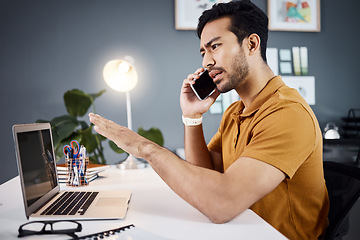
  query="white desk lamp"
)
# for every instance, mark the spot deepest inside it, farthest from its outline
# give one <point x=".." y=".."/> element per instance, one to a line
<point x="121" y="76"/>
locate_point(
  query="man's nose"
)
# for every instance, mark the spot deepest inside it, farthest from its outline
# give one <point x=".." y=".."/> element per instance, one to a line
<point x="208" y="60"/>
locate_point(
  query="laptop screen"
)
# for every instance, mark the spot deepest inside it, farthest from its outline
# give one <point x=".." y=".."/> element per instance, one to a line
<point x="37" y="163"/>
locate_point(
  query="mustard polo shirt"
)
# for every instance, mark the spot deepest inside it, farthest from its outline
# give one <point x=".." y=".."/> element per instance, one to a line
<point x="280" y="128"/>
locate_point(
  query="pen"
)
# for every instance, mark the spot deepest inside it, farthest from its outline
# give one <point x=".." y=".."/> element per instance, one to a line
<point x="82" y="152"/>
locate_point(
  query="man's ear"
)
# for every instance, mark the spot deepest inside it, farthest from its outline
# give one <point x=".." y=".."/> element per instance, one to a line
<point x="253" y="43"/>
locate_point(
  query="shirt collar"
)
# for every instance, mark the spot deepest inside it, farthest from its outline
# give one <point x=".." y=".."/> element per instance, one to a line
<point x="272" y="86"/>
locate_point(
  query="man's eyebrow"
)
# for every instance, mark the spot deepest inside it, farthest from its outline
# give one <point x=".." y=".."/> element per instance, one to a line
<point x="209" y="43"/>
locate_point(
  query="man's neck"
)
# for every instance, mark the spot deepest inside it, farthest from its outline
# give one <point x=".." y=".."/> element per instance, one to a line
<point x="254" y="83"/>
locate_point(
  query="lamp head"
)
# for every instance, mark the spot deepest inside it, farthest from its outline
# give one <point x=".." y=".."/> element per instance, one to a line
<point x="120" y="75"/>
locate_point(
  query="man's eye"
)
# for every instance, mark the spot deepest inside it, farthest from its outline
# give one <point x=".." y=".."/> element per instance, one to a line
<point x="214" y="46"/>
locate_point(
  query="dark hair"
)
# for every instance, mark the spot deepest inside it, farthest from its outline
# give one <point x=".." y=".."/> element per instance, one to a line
<point x="246" y="19"/>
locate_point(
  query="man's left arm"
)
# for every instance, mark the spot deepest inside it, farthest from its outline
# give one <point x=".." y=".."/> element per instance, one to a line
<point x="219" y="196"/>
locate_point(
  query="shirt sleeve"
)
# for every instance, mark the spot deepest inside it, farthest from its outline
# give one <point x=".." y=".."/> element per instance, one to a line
<point x="285" y="138"/>
<point x="215" y="143"/>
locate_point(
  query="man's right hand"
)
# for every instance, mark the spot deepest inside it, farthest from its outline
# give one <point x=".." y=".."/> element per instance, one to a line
<point x="191" y="106"/>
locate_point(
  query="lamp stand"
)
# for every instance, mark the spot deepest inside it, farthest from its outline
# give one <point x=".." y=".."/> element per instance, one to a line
<point x="131" y="162"/>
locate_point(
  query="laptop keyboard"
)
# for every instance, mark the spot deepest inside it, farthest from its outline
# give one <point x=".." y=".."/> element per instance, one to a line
<point x="71" y="203"/>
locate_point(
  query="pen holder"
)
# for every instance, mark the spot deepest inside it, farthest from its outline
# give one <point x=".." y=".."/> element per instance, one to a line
<point x="76" y="171"/>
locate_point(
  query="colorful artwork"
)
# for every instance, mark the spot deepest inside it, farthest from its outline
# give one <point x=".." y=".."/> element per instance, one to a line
<point x="298" y="12"/>
<point x="294" y="15"/>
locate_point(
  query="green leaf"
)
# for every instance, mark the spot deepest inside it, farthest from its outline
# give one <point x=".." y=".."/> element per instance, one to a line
<point x="63" y="127"/>
<point x="77" y="102"/>
<point x="153" y="134"/>
<point x="114" y="147"/>
<point x="101" y="137"/>
<point x="96" y="95"/>
<point x="83" y="125"/>
<point x="93" y="159"/>
<point x="42" y="121"/>
<point x="88" y="140"/>
<point x="59" y="153"/>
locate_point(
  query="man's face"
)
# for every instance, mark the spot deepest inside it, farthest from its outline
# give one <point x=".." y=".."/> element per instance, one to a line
<point x="222" y="55"/>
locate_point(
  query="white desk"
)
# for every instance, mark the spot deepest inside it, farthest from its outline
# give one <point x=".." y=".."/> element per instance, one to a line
<point x="154" y="208"/>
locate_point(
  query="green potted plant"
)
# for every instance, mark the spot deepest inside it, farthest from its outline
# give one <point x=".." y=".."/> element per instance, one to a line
<point x="69" y="127"/>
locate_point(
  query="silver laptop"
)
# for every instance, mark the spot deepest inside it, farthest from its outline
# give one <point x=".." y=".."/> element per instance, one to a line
<point x="40" y="185"/>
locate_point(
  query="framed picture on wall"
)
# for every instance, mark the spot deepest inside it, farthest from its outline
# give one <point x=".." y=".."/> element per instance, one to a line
<point x="187" y="12"/>
<point x="294" y="15"/>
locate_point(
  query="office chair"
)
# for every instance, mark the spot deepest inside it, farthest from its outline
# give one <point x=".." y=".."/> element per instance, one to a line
<point x="343" y="184"/>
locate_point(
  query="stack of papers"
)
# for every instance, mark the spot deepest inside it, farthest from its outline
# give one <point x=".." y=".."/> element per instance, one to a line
<point x="92" y="171"/>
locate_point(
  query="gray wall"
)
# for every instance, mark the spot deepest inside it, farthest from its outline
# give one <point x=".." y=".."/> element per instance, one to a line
<point x="49" y="47"/>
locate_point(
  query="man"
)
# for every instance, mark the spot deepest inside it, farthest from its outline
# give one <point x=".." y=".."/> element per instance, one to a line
<point x="267" y="153"/>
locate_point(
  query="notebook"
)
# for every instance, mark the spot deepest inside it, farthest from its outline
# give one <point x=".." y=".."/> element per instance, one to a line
<point x="40" y="185"/>
<point x="129" y="232"/>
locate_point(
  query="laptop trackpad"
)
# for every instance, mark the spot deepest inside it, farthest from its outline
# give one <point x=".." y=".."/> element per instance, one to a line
<point x="110" y="202"/>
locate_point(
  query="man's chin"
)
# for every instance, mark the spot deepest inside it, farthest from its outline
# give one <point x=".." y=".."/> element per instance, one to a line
<point x="222" y="89"/>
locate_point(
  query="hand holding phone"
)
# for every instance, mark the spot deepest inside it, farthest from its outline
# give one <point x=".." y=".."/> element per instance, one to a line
<point x="203" y="86"/>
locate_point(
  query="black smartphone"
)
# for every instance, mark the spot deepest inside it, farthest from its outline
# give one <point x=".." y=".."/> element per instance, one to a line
<point x="203" y="86"/>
